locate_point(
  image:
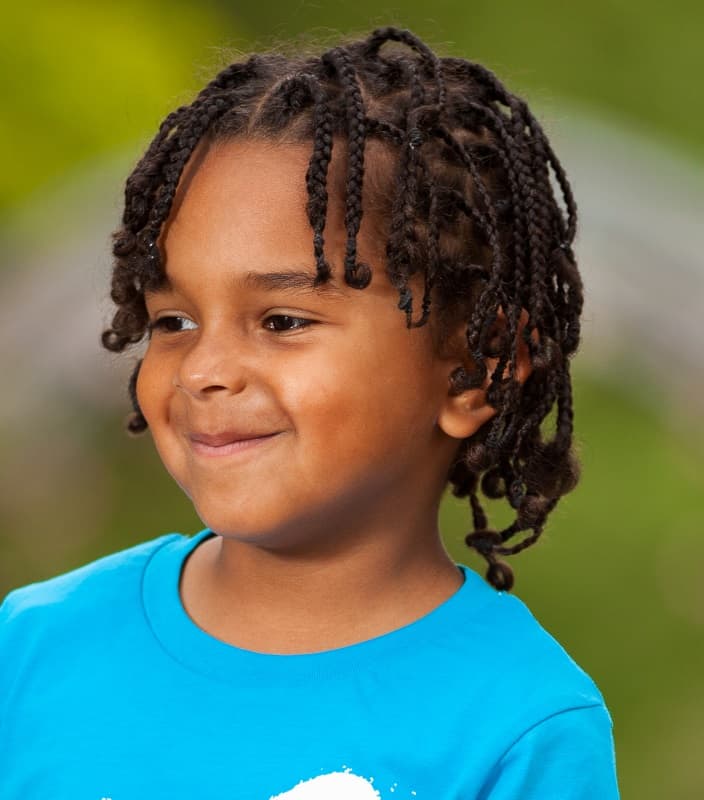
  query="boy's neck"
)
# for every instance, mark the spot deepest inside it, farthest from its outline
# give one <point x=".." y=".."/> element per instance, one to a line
<point x="256" y="600"/>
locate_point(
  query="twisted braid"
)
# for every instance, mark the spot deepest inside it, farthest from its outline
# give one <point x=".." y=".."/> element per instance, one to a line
<point x="317" y="173"/>
<point x="402" y="234"/>
<point x="382" y="35"/>
<point x="433" y="253"/>
<point x="356" y="275"/>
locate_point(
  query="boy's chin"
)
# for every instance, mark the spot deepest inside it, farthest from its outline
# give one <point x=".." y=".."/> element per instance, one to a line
<point x="276" y="535"/>
<point x="243" y="526"/>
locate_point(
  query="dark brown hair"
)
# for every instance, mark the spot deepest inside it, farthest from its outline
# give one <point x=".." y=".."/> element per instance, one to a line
<point x="469" y="208"/>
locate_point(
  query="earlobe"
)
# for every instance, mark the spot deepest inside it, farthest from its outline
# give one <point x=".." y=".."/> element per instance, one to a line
<point x="463" y="414"/>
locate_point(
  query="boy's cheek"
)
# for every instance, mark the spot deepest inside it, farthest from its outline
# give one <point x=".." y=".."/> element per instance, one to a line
<point x="146" y="389"/>
<point x="156" y="382"/>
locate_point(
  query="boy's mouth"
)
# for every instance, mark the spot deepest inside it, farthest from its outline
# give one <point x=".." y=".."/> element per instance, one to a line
<point x="227" y="442"/>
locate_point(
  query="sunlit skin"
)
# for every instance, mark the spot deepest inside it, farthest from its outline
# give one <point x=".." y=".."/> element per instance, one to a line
<point x="328" y="530"/>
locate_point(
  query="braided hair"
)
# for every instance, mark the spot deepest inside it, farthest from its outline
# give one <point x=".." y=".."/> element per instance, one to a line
<point x="468" y="207"/>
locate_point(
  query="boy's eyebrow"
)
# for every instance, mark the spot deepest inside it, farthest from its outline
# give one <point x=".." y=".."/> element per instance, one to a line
<point x="293" y="280"/>
<point x="289" y="279"/>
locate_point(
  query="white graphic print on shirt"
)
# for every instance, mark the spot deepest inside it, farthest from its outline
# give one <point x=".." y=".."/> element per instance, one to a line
<point x="340" y="785"/>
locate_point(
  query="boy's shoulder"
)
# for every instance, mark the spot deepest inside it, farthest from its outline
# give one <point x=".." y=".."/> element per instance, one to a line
<point x="116" y="576"/>
<point x="506" y="645"/>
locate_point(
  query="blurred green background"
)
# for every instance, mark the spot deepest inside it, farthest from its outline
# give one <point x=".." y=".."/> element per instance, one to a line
<point x="617" y="576"/>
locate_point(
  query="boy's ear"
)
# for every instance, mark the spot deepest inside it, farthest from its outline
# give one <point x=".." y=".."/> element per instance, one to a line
<point x="463" y="414"/>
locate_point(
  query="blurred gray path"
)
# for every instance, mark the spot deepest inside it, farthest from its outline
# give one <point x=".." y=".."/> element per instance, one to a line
<point x="639" y="246"/>
<point x="641" y="251"/>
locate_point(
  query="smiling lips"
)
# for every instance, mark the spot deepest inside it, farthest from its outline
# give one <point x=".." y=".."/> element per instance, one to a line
<point x="226" y="443"/>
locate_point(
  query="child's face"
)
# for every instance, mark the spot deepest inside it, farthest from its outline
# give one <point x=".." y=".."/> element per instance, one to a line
<point x="345" y="402"/>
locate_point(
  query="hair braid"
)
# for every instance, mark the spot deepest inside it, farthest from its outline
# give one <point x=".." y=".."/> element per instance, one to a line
<point x="382" y="35"/>
<point x="356" y="274"/>
<point x="316" y="175"/>
<point x="510" y="156"/>
<point x="402" y="237"/>
<point x="186" y="144"/>
<point x="478" y="327"/>
<point x="538" y="233"/>
<point x="568" y="231"/>
<point x="433" y="252"/>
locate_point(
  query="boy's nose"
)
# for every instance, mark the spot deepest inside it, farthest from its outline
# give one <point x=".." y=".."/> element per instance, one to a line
<point x="208" y="368"/>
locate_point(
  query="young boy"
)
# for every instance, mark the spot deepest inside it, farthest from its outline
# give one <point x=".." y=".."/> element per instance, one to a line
<point x="315" y="640"/>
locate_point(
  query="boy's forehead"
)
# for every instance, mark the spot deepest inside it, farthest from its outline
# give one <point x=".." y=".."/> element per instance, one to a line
<point x="275" y="164"/>
<point x="280" y="234"/>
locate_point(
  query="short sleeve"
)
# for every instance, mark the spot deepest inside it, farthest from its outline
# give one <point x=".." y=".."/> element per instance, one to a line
<point x="568" y="756"/>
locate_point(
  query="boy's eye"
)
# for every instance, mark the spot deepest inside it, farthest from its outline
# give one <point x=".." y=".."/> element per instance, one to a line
<point x="170" y="324"/>
<point x="284" y="322"/>
<point x="278" y="323"/>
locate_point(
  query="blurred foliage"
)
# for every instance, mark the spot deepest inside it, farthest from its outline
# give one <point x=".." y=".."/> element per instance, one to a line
<point x="80" y="79"/>
<point x="636" y="59"/>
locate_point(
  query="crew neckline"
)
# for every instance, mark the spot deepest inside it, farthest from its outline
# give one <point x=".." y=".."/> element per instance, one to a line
<point x="198" y="650"/>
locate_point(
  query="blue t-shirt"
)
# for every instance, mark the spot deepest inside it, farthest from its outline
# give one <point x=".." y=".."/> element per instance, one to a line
<point x="109" y="691"/>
